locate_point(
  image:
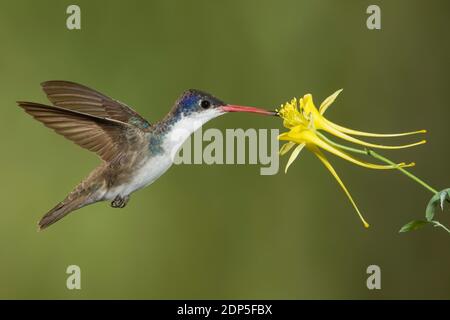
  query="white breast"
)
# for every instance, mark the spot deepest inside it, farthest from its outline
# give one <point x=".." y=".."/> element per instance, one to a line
<point x="151" y="170"/>
<point x="155" y="166"/>
<point x="185" y="127"/>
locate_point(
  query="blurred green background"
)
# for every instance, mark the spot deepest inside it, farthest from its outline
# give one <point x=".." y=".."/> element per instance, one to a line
<point x="224" y="231"/>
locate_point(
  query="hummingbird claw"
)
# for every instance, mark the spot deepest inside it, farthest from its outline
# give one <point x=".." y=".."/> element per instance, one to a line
<point x="120" y="202"/>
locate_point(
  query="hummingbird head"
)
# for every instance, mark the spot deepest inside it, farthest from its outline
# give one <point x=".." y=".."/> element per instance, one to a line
<point x="193" y="109"/>
<point x="202" y="106"/>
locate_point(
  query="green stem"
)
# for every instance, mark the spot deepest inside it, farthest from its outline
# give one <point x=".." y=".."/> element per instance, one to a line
<point x="407" y="173"/>
<point x="438" y="224"/>
<point x="375" y="155"/>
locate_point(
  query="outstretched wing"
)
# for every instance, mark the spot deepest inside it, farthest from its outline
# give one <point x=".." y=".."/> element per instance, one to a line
<point x="107" y="137"/>
<point x="73" y="96"/>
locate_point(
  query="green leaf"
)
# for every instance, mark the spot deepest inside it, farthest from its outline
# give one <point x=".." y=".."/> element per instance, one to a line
<point x="414" y="225"/>
<point x="435" y="202"/>
<point x="444" y="195"/>
<point x="432" y="206"/>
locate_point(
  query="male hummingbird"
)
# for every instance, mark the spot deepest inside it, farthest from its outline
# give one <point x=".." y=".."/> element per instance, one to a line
<point x="134" y="152"/>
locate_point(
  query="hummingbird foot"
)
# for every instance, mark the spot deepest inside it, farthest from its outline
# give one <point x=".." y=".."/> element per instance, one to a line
<point x="120" y="202"/>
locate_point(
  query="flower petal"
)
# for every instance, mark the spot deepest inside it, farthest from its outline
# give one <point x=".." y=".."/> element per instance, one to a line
<point x="330" y="129"/>
<point x="293" y="156"/>
<point x="330" y="168"/>
<point x="286" y="147"/>
<point x="315" y="140"/>
<point x="328" y="101"/>
<point x="369" y="134"/>
<point x="307" y="105"/>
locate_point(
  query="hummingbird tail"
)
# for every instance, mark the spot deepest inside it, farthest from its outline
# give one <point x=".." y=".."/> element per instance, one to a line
<point x="61" y="210"/>
<point x="58" y="212"/>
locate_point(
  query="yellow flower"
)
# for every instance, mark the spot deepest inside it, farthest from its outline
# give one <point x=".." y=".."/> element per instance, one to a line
<point x="305" y="122"/>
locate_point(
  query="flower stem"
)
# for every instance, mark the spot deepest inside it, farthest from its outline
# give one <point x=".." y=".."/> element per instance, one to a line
<point x="375" y="155"/>
<point x="438" y="224"/>
<point x="407" y="173"/>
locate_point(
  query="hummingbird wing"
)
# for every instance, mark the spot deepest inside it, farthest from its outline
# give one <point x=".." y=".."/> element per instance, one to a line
<point x="105" y="136"/>
<point x="73" y="96"/>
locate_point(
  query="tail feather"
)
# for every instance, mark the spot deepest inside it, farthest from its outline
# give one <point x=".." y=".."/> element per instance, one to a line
<point x="58" y="212"/>
<point x="85" y="193"/>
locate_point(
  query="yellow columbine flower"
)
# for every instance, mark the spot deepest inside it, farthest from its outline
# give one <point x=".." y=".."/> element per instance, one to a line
<point x="304" y="121"/>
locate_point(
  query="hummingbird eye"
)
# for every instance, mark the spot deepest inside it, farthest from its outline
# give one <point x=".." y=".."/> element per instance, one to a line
<point x="205" y="104"/>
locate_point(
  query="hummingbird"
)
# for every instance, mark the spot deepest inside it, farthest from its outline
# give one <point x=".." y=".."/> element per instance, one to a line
<point x="134" y="152"/>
